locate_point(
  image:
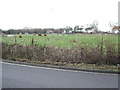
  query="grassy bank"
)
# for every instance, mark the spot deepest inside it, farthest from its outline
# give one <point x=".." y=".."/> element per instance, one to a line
<point x="74" y="65"/>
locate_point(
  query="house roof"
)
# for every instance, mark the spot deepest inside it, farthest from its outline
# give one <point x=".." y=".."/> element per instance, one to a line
<point x="116" y="28"/>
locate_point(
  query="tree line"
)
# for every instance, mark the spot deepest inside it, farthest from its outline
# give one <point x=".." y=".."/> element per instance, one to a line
<point x="93" y="27"/>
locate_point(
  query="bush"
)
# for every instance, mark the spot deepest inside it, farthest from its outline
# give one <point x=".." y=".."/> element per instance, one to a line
<point x="77" y="54"/>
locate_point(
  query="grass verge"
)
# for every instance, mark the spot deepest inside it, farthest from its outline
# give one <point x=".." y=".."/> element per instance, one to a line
<point x="74" y="65"/>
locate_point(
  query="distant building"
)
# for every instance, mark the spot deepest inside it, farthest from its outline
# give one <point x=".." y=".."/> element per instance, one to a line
<point x="64" y="32"/>
<point x="115" y="29"/>
<point x="20" y="33"/>
<point x="26" y="33"/>
<point x="49" y="32"/>
<point x="70" y="31"/>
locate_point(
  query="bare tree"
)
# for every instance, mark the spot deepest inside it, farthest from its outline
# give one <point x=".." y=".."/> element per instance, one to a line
<point x="78" y="28"/>
<point x="94" y="26"/>
<point x="114" y="26"/>
<point x="68" y="28"/>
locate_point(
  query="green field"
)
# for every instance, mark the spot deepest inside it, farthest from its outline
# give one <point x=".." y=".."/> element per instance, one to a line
<point x="64" y="41"/>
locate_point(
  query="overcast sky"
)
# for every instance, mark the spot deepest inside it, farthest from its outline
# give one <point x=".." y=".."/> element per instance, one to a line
<point x="16" y="14"/>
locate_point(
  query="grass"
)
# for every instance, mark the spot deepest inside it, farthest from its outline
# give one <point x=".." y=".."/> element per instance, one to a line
<point x="66" y="41"/>
<point x="80" y="65"/>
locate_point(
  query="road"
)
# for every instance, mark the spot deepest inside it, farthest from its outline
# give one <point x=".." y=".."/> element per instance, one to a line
<point x="24" y="76"/>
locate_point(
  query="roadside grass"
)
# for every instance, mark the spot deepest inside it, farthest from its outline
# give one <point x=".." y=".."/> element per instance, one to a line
<point x="80" y="65"/>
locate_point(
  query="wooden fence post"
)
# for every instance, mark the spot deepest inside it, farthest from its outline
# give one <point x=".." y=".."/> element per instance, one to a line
<point x="102" y="46"/>
<point x="32" y="41"/>
<point x="15" y="39"/>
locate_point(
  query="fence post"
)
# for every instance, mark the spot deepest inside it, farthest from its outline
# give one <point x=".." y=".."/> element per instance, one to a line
<point x="15" y="39"/>
<point x="102" y="46"/>
<point x="32" y="41"/>
<point x="76" y="57"/>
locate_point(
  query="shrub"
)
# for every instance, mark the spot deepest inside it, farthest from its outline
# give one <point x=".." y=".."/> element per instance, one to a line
<point x="76" y="54"/>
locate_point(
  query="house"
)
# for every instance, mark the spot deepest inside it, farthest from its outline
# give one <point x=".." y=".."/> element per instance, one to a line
<point x="26" y="33"/>
<point x="49" y="31"/>
<point x="115" y="29"/>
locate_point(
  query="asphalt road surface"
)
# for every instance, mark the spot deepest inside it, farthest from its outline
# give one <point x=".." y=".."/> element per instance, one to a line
<point x="24" y="76"/>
